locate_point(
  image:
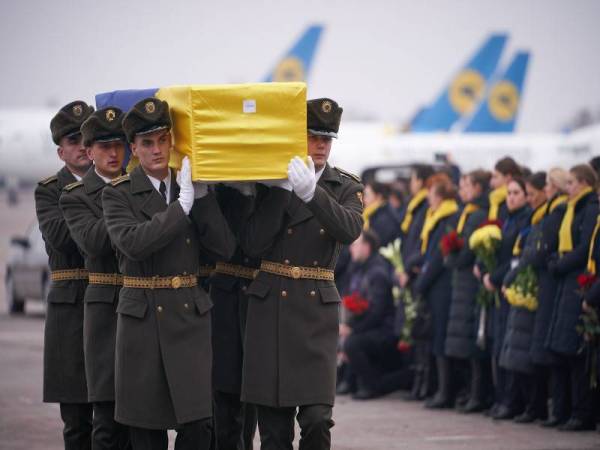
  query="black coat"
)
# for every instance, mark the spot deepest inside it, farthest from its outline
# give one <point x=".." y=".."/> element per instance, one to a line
<point x="373" y="281"/>
<point x="464" y="313"/>
<point x="384" y="221"/>
<point x="434" y="284"/>
<point x="592" y="296"/>
<point x="64" y="368"/>
<point x="513" y="224"/>
<point x="562" y="336"/>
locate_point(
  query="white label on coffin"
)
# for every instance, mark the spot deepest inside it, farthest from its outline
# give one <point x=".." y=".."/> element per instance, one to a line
<point x="249" y="106"/>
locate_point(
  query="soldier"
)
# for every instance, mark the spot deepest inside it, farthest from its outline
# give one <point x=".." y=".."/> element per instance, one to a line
<point x="163" y="357"/>
<point x="81" y="204"/>
<point x="64" y="371"/>
<point x="298" y="228"/>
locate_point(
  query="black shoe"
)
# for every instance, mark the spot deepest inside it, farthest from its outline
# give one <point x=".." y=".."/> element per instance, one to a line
<point x="344" y="388"/>
<point x="575" y="424"/>
<point x="411" y="397"/>
<point x="491" y="412"/>
<point x="551" y="422"/>
<point x="525" y="418"/>
<point x="503" y="413"/>
<point x="472" y="406"/>
<point x="365" y="394"/>
<point x="438" y="402"/>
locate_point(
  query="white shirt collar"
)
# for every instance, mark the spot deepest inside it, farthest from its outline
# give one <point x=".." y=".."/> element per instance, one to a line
<point x="156" y="183"/>
<point x="319" y="173"/>
<point x="106" y="180"/>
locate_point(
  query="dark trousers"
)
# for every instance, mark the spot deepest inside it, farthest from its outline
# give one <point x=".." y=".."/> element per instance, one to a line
<point x="571" y="390"/>
<point x="374" y="360"/>
<point x="196" y="435"/>
<point x="235" y="422"/>
<point x="527" y="392"/>
<point x="107" y="434"/>
<point x="502" y="381"/>
<point x="77" y="430"/>
<point x="276" y="427"/>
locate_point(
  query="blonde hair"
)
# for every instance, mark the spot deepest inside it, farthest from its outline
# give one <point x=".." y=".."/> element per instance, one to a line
<point x="558" y="177"/>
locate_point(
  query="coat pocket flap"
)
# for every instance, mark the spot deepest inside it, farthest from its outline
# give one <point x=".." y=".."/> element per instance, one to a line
<point x="203" y="303"/>
<point x="62" y="292"/>
<point x="329" y="294"/>
<point x="132" y="307"/>
<point x="258" y="289"/>
<point x="100" y="294"/>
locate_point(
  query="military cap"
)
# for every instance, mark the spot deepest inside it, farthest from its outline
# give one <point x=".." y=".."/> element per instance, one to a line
<point x="68" y="120"/>
<point x="323" y="116"/>
<point x="103" y="126"/>
<point x="146" y="116"/>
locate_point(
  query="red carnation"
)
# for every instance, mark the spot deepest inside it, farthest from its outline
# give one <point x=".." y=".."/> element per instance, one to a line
<point x="403" y="347"/>
<point x="451" y="243"/>
<point x="585" y="281"/>
<point x="355" y="303"/>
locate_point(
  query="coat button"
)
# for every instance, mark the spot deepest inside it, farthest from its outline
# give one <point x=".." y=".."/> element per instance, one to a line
<point x="246" y="260"/>
<point x="186" y="306"/>
<point x="321" y="231"/>
<point x="287" y="261"/>
<point x="244" y="288"/>
<point x="315" y="263"/>
<point x="290" y="231"/>
<point x="159" y="308"/>
<point x="188" y="241"/>
<point x="313" y="293"/>
<point x="284" y="293"/>
<point x="185" y="273"/>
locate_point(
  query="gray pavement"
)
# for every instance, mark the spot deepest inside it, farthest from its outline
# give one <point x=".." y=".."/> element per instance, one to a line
<point x="387" y="423"/>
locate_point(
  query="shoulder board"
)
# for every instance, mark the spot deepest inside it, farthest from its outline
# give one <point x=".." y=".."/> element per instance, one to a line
<point x="348" y="175"/>
<point x="119" y="180"/>
<point x="69" y="187"/>
<point x="48" y="180"/>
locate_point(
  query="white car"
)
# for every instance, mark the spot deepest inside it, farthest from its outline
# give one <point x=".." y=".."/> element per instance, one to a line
<point x="27" y="272"/>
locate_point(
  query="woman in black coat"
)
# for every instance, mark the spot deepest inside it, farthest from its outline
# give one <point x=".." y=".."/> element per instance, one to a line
<point x="528" y="387"/>
<point x="461" y="332"/>
<point x="434" y="282"/>
<point x="517" y="219"/>
<point x="575" y="233"/>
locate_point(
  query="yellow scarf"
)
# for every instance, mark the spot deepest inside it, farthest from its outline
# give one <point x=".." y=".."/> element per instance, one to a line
<point x="369" y="211"/>
<point x="446" y="208"/>
<point x="591" y="265"/>
<point x="558" y="201"/>
<point x="536" y="218"/>
<point x="565" y="240"/>
<point x="466" y="212"/>
<point x="497" y="197"/>
<point x="414" y="203"/>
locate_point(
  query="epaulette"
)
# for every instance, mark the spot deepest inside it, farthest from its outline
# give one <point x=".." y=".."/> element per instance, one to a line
<point x="348" y="175"/>
<point x="120" y="180"/>
<point x="48" y="180"/>
<point x="69" y="187"/>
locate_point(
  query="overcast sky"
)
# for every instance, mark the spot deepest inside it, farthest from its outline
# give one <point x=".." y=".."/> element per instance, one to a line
<point x="377" y="58"/>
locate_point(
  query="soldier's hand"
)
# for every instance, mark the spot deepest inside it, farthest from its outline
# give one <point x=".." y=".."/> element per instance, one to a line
<point x="302" y="178"/>
<point x="186" y="188"/>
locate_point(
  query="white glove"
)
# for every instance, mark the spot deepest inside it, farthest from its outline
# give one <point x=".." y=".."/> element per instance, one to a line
<point x="186" y="188"/>
<point x="200" y="189"/>
<point x="302" y="178"/>
<point x="247" y="189"/>
<point x="283" y="184"/>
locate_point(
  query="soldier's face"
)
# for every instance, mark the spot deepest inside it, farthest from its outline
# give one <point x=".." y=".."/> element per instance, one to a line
<point x="319" y="148"/>
<point x="72" y="151"/>
<point x="108" y="157"/>
<point x="153" y="151"/>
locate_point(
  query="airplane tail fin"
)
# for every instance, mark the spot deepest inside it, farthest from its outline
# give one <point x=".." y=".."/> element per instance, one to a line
<point x="465" y="90"/>
<point x="498" y="113"/>
<point x="295" y="65"/>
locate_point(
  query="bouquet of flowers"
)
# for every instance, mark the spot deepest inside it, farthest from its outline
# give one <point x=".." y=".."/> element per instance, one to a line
<point x="451" y="243"/>
<point x="355" y="303"/>
<point x="394" y="256"/>
<point x="484" y="242"/>
<point x="590" y="330"/>
<point x="523" y="292"/>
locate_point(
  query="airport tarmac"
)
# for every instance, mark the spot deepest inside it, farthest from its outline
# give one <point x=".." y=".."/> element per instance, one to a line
<point x="387" y="423"/>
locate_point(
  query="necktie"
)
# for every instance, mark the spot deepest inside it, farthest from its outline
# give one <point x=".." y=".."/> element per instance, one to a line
<point x="163" y="190"/>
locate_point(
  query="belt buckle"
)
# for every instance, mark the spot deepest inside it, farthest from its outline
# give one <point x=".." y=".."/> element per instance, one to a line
<point x="296" y="272"/>
<point x="176" y="282"/>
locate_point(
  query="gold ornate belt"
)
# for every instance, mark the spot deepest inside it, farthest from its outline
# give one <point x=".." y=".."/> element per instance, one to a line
<point x="174" y="282"/>
<point x="297" y="273"/>
<point x="113" y="279"/>
<point x="69" y="274"/>
<point x="205" y="271"/>
<point x="236" y="271"/>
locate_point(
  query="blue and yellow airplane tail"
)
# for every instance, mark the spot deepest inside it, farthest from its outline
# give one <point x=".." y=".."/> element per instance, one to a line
<point x="464" y="92"/>
<point x="498" y="113"/>
<point x="295" y="65"/>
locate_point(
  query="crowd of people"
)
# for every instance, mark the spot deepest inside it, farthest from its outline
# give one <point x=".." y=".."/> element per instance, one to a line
<point x="477" y="291"/>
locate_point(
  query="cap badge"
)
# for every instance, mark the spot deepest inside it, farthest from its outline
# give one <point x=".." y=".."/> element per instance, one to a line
<point x="150" y="107"/>
<point x="77" y="110"/>
<point x="326" y="106"/>
<point x="110" y="115"/>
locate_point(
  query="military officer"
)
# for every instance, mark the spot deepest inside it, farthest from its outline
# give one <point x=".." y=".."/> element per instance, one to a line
<point x="81" y="204"/>
<point x="163" y="357"/>
<point x="235" y="422"/>
<point x="64" y="371"/>
<point x="298" y="227"/>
